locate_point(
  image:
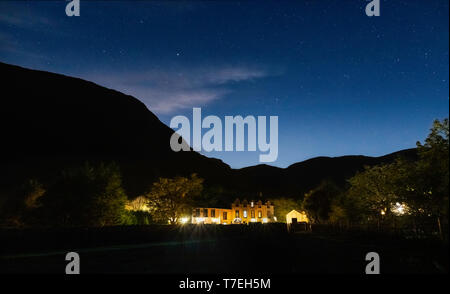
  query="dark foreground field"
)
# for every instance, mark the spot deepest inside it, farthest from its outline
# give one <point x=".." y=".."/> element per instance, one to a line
<point x="264" y="249"/>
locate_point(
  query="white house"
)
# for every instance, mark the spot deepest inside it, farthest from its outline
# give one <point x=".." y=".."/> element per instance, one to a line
<point x="294" y="217"/>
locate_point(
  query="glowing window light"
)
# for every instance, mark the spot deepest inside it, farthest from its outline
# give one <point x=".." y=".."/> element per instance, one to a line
<point x="199" y="220"/>
<point x="265" y="220"/>
<point x="184" y="220"/>
<point x="253" y="220"/>
<point x="215" y="220"/>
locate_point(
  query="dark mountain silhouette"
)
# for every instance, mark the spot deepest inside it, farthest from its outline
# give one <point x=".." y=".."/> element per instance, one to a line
<point x="49" y="122"/>
<point x="301" y="177"/>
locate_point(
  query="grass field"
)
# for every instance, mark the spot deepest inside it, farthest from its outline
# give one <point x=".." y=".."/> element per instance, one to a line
<point x="261" y="249"/>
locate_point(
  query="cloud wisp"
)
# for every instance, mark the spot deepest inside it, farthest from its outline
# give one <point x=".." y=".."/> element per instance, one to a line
<point x="165" y="91"/>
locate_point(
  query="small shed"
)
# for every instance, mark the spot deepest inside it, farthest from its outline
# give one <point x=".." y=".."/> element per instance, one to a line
<point x="294" y="217"/>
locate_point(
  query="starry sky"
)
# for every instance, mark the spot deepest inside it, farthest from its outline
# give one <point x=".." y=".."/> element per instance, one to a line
<point x="340" y="82"/>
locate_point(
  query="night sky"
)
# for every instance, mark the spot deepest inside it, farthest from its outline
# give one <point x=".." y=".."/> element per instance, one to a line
<point x="341" y="83"/>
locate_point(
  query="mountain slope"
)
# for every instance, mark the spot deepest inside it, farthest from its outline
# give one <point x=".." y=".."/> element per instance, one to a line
<point x="49" y="122"/>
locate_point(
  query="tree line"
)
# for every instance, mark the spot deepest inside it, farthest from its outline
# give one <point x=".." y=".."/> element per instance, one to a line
<point x="406" y="193"/>
<point x="402" y="194"/>
<point x="93" y="196"/>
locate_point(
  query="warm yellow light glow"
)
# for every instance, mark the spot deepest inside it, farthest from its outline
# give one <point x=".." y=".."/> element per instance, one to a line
<point x="199" y="220"/>
<point x="253" y="220"/>
<point x="383" y="212"/>
<point x="184" y="220"/>
<point x="299" y="216"/>
<point x="215" y="220"/>
<point x="400" y="208"/>
<point x="275" y="218"/>
<point x="138" y="204"/>
<point x="265" y="220"/>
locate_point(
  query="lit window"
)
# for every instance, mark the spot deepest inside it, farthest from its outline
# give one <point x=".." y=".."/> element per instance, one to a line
<point x="252" y="213"/>
<point x="259" y="214"/>
<point x="252" y="204"/>
<point x="245" y="213"/>
<point x="237" y="213"/>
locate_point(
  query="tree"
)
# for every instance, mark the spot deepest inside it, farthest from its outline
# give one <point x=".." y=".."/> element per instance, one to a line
<point x="170" y="199"/>
<point x="340" y="210"/>
<point x="140" y="203"/>
<point x="317" y="202"/>
<point x="33" y="192"/>
<point x="283" y="206"/>
<point x="432" y="178"/>
<point x="86" y="196"/>
<point x="21" y="207"/>
<point x="420" y="187"/>
<point x="375" y="191"/>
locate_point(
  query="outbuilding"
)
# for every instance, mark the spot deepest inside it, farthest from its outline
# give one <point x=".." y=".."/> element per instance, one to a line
<point x="294" y="217"/>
